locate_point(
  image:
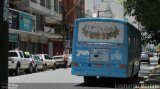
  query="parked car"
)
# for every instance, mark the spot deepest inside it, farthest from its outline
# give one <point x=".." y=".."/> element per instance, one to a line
<point x="59" y="59"/>
<point x="150" y="54"/>
<point x="18" y="60"/>
<point x="49" y="63"/>
<point x="39" y="65"/>
<point x="145" y="58"/>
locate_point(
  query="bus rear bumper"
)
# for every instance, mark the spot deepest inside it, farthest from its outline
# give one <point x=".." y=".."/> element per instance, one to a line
<point x="100" y="73"/>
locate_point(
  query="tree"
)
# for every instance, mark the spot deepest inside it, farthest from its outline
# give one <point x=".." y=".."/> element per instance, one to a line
<point x="147" y="12"/>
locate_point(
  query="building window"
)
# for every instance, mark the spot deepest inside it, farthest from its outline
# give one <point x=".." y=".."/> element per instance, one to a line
<point x="42" y="2"/>
<point x="33" y="1"/>
<point x="60" y="7"/>
<point x="48" y="4"/>
<point x="56" y="5"/>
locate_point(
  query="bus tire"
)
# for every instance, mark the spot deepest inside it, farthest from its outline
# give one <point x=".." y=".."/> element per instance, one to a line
<point x="90" y="79"/>
<point x="133" y="70"/>
<point x="134" y="75"/>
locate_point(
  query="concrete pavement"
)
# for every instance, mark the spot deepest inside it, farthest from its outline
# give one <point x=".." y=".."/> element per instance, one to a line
<point x="153" y="80"/>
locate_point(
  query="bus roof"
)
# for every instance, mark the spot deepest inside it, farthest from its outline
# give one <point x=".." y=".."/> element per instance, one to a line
<point x="103" y="19"/>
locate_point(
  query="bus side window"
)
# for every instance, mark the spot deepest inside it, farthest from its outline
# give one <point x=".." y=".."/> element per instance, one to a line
<point x="134" y="42"/>
<point x="129" y="43"/>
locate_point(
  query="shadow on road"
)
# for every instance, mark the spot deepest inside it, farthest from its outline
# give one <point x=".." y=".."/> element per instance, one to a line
<point x="113" y="83"/>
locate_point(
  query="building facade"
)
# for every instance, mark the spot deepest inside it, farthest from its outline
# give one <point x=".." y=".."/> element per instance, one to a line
<point x="73" y="9"/>
<point x="50" y="25"/>
<point x="36" y="39"/>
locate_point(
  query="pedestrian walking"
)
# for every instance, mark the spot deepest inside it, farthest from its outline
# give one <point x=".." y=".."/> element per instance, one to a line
<point x="65" y="59"/>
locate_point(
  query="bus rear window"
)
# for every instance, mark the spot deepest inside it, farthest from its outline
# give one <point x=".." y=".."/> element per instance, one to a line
<point x="101" y="32"/>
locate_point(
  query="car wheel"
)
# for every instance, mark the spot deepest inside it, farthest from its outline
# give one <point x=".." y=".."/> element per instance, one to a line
<point x="36" y="69"/>
<point x="10" y="72"/>
<point x="45" y="67"/>
<point x="17" y="70"/>
<point x="30" y="69"/>
<point x="136" y="75"/>
<point x="54" y="66"/>
<point x="42" y="68"/>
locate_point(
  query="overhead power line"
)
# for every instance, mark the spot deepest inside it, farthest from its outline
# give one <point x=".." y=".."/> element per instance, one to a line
<point x="73" y="8"/>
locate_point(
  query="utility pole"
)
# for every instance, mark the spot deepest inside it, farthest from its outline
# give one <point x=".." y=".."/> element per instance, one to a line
<point x="3" y="49"/>
<point x="63" y="25"/>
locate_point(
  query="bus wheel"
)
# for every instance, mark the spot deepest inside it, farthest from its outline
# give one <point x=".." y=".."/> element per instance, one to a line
<point x="90" y="79"/>
<point x="136" y="75"/>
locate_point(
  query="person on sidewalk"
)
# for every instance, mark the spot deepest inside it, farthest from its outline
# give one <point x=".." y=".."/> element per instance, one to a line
<point x="65" y="59"/>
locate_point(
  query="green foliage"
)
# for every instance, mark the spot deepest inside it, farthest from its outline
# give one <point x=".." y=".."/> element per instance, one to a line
<point x="147" y="12"/>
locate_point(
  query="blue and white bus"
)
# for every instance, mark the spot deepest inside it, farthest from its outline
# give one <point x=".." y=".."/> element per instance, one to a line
<point x="104" y="47"/>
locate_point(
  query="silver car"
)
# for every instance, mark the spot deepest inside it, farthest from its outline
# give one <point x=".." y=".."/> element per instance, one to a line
<point x="145" y="58"/>
<point x="48" y="62"/>
<point x="39" y="64"/>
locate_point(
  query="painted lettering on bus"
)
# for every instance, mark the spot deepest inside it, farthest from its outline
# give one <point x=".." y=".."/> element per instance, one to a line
<point x="82" y="53"/>
<point x="116" y="56"/>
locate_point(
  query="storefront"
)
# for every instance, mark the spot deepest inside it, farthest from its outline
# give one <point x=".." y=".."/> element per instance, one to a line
<point x="56" y="46"/>
<point x="13" y="41"/>
<point x="44" y="44"/>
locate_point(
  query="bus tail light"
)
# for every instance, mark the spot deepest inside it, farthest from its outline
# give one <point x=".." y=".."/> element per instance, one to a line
<point x="75" y="64"/>
<point x="122" y="66"/>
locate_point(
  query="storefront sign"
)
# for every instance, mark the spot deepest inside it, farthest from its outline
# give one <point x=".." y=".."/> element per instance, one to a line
<point x="25" y="22"/>
<point x="13" y="37"/>
<point x="34" y="39"/>
<point x="24" y="37"/>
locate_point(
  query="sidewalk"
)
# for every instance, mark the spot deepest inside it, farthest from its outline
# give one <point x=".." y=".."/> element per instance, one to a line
<point x="153" y="80"/>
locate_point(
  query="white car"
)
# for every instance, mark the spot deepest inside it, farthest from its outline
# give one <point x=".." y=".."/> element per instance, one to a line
<point x="49" y="63"/>
<point x="18" y="60"/>
<point x="59" y="59"/>
<point x="145" y="58"/>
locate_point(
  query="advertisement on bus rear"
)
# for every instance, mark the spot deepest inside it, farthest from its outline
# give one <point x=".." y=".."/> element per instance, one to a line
<point x="101" y="32"/>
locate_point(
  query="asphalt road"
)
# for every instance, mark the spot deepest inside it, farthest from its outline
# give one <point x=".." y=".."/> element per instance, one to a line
<point x="62" y="79"/>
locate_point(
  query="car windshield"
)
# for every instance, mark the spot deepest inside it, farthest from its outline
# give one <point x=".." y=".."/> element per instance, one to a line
<point x="12" y="54"/>
<point x="144" y="55"/>
<point x="40" y="56"/>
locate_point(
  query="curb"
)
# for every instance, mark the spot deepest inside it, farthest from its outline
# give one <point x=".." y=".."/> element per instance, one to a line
<point x="157" y="66"/>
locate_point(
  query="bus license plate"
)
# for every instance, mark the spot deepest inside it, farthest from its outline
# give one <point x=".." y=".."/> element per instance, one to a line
<point x="99" y="65"/>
